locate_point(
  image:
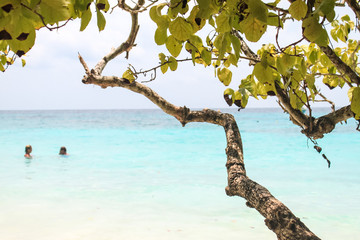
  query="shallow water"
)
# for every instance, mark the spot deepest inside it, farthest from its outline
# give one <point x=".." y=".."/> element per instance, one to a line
<point x="137" y="174"/>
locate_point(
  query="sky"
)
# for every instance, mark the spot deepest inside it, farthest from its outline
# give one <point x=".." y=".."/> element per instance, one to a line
<point x="52" y="76"/>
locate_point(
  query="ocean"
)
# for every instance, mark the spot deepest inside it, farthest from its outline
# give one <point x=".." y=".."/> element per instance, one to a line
<point x="140" y="175"/>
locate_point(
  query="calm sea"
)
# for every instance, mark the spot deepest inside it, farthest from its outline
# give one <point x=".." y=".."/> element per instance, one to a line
<point x="137" y="174"/>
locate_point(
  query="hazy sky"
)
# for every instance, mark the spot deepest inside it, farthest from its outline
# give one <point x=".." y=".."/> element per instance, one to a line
<point x="52" y="76"/>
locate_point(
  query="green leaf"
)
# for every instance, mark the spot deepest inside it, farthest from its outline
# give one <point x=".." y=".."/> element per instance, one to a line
<point x="160" y="36"/>
<point x="331" y="15"/>
<point x="284" y="63"/>
<point x="196" y="41"/>
<point x="223" y="22"/>
<point x="323" y="38"/>
<point x="173" y="45"/>
<point x="85" y="19"/>
<point x="101" y="22"/>
<point x="312" y="28"/>
<point x="236" y="45"/>
<point x="196" y="22"/>
<point x="164" y="68"/>
<point x="325" y="61"/>
<point x="349" y="93"/>
<point x="355" y="102"/>
<point x="327" y="6"/>
<point x="253" y="28"/>
<point x="243" y="96"/>
<point x="345" y="18"/>
<point x="297" y="99"/>
<point x="206" y="8"/>
<point x="258" y="10"/>
<point x="159" y="7"/>
<point x="233" y="59"/>
<point x="250" y="85"/>
<point x="263" y="74"/>
<point x="129" y="75"/>
<point x="181" y="29"/>
<point x="274" y="20"/>
<point x="313" y="57"/>
<point x="153" y="14"/>
<point x="206" y="56"/>
<point x="23" y="46"/>
<point x="224" y="76"/>
<point x="333" y="34"/>
<point x="162" y="57"/>
<point x="160" y="20"/>
<point x="222" y="42"/>
<point x="298" y="9"/>
<point x="173" y="64"/>
<point x="54" y="11"/>
<point x="229" y="91"/>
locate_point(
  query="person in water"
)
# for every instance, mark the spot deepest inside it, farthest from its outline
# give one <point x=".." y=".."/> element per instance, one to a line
<point x="63" y="151"/>
<point x="28" y="150"/>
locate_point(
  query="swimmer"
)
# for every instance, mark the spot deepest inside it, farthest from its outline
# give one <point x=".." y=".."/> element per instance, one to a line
<point x="63" y="151"/>
<point x="28" y="150"/>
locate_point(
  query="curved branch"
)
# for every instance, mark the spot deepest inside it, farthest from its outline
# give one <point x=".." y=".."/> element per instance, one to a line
<point x="326" y="124"/>
<point x="278" y="217"/>
<point x="125" y="46"/>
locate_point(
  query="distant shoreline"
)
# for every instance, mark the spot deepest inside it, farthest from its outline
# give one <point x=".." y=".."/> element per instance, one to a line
<point x="152" y="109"/>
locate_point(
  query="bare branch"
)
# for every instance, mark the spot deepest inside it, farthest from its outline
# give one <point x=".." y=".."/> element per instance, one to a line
<point x="82" y="61"/>
<point x="327" y="100"/>
<point x="327" y="123"/>
<point x="278" y="217"/>
<point x="125" y="46"/>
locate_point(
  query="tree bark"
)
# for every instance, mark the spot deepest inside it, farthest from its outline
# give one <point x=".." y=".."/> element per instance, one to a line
<point x="278" y="217"/>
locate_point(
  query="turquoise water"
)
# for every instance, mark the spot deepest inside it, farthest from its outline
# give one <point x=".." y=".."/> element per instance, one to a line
<point x="137" y="174"/>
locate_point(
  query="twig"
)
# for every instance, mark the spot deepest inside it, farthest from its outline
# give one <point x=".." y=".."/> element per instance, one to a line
<point x="277" y="9"/>
<point x="327" y="100"/>
<point x="87" y="71"/>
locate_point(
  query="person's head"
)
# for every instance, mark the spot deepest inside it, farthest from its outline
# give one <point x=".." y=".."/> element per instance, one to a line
<point x="28" y="149"/>
<point x="62" y="151"/>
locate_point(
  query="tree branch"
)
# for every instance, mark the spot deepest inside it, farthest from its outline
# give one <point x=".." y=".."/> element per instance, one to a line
<point x="125" y="46"/>
<point x="340" y="65"/>
<point x="246" y="49"/>
<point x="322" y="125"/>
<point x="278" y="217"/>
<point x="326" y="124"/>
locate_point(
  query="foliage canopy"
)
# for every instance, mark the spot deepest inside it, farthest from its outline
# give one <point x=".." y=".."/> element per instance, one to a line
<point x="215" y="33"/>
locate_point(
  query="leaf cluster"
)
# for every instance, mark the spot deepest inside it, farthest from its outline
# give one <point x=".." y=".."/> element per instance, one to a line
<point x="295" y="70"/>
<point x="19" y="20"/>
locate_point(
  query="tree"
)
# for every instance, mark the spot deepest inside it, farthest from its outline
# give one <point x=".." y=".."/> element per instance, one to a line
<point x="323" y="55"/>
